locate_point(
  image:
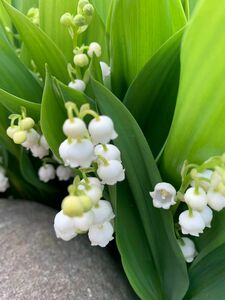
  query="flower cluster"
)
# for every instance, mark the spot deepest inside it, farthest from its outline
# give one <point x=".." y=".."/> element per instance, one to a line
<point x="4" y="181"/>
<point x="88" y="149"/>
<point x="23" y="133"/>
<point x="82" y="55"/>
<point x="202" y="190"/>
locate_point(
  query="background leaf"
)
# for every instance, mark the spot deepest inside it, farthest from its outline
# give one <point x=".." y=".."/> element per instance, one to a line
<point x="151" y="98"/>
<point x="137" y="35"/>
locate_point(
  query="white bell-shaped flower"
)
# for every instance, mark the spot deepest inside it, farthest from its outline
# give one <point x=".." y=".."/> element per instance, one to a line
<point x="94" y="48"/>
<point x="64" y="173"/>
<point x="108" y="151"/>
<point x="101" y="234"/>
<point x="93" y="181"/>
<point x="81" y="60"/>
<point x="77" y="153"/>
<point x="64" y="227"/>
<point x="75" y="128"/>
<point x="83" y="222"/>
<point x="46" y="173"/>
<point x="32" y="139"/>
<point x="207" y="216"/>
<point x="163" y="195"/>
<point x="103" y="212"/>
<point x="43" y="142"/>
<point x="197" y="200"/>
<point x="216" y="179"/>
<point x="215" y="200"/>
<point x="192" y="224"/>
<point x="78" y="85"/>
<point x="4" y="182"/>
<point x="106" y="70"/>
<point x="39" y="151"/>
<point x="94" y="192"/>
<point x="188" y="249"/>
<point x="111" y="173"/>
<point x="102" y="130"/>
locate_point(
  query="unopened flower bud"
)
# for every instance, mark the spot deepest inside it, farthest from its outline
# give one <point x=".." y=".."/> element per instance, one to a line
<point x="72" y="206"/>
<point x="11" y="130"/>
<point x="66" y="19"/>
<point x="88" y="10"/>
<point x="27" y="123"/>
<point x="79" y="20"/>
<point x="188" y="249"/>
<point x="19" y="136"/>
<point x="81" y="60"/>
<point x="82" y="3"/>
<point x="78" y="85"/>
<point x="86" y="203"/>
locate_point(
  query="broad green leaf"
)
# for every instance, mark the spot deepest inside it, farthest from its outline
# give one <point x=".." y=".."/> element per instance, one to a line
<point x="53" y="112"/>
<point x="137" y="30"/>
<point x="15" y="78"/>
<point x="102" y="8"/>
<point x="13" y="104"/>
<point x="192" y="5"/>
<point x="134" y="249"/>
<point x="151" y="98"/>
<point x="50" y="13"/>
<point x="198" y="127"/>
<point x="4" y="18"/>
<point x="43" y="50"/>
<point x="24" y="5"/>
<point x="208" y="276"/>
<point x="185" y="4"/>
<point x="142" y="175"/>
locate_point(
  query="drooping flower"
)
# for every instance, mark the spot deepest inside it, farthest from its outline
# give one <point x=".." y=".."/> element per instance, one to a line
<point x="108" y="151"/>
<point x="207" y="216"/>
<point x="106" y="70"/>
<point x="78" y="85"/>
<point x="191" y="223"/>
<point x="163" y="195"/>
<point x="63" y="173"/>
<point x="46" y="173"/>
<point x="94" y="192"/>
<point x="188" y="249"/>
<point x="75" y="128"/>
<point x="111" y="173"/>
<point x="94" y="48"/>
<point x="64" y="226"/>
<point x="81" y="60"/>
<point x="196" y="199"/>
<point x="82" y="223"/>
<point x="215" y="200"/>
<point x="102" y="130"/>
<point x="103" y="212"/>
<point x="101" y="234"/>
<point x="32" y="139"/>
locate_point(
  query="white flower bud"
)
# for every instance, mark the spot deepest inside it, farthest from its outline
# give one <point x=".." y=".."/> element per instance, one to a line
<point x="46" y="173"/>
<point x="27" y="123"/>
<point x="102" y="130"/>
<point x="192" y="224"/>
<point x="78" y="85"/>
<point x="39" y="151"/>
<point x="106" y="70"/>
<point x="112" y="173"/>
<point x="215" y="200"/>
<point x="81" y="60"/>
<point x="75" y="129"/>
<point x="103" y="212"/>
<point x="188" y="249"/>
<point x="64" y="173"/>
<point x="108" y="151"/>
<point x="83" y="222"/>
<point x="4" y="182"/>
<point x="94" y="192"/>
<point x="66" y="19"/>
<point x="88" y="10"/>
<point x="32" y="139"/>
<point x="64" y="227"/>
<point x="82" y="3"/>
<point x="163" y="195"/>
<point x="94" y="48"/>
<point x="77" y="153"/>
<point x="207" y="216"/>
<point x="197" y="200"/>
<point x="101" y="234"/>
<point x="79" y="20"/>
<point x="11" y="130"/>
<point x="44" y="143"/>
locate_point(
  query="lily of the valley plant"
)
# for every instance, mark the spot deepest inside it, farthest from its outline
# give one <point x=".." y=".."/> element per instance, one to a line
<point x="113" y="112"/>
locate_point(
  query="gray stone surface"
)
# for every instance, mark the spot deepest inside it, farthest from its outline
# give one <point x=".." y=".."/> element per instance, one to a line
<point x="36" y="265"/>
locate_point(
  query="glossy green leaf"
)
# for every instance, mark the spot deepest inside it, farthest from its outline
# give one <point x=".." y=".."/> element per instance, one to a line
<point x="24" y="5"/>
<point x="137" y="30"/>
<point x="185" y="4"/>
<point x="50" y="13"/>
<point x="198" y="127"/>
<point x="192" y="5"/>
<point x="53" y="112"/>
<point x="102" y="8"/>
<point x="13" y="104"/>
<point x="15" y="78"/>
<point x="151" y="98"/>
<point x="208" y="276"/>
<point x="43" y="50"/>
<point x="142" y="175"/>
